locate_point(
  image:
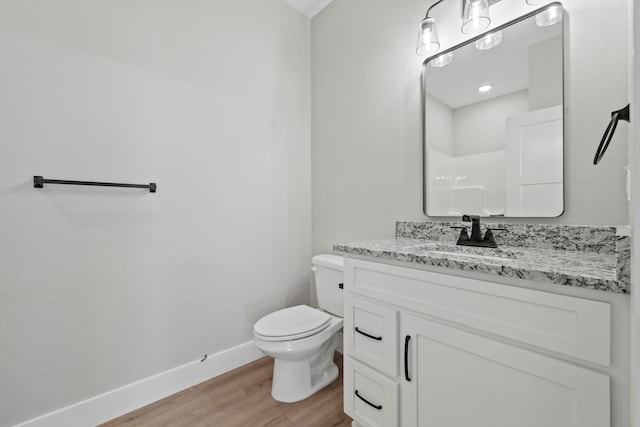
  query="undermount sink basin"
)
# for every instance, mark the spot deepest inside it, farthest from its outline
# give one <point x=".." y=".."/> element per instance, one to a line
<point x="444" y="249"/>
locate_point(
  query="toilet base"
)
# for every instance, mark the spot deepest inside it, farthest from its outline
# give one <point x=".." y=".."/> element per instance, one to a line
<point x="296" y="380"/>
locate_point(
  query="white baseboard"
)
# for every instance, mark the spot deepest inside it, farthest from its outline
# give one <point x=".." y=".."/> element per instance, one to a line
<point x="120" y="401"/>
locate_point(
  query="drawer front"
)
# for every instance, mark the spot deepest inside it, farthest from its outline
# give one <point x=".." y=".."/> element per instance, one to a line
<point x="569" y="325"/>
<point x="370" y="398"/>
<point x="371" y="334"/>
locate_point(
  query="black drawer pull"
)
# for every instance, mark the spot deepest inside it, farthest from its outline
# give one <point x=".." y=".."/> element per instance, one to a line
<point x="406" y="357"/>
<point x="378" y="407"/>
<point x="367" y="335"/>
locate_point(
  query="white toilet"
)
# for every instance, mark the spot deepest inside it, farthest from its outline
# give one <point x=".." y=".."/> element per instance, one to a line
<point x="302" y="339"/>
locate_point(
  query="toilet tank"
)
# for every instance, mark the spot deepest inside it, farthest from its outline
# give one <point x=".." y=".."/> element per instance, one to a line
<point x="328" y="270"/>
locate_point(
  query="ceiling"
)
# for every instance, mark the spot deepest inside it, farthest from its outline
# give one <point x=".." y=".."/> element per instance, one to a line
<point x="308" y="7"/>
<point x="506" y="66"/>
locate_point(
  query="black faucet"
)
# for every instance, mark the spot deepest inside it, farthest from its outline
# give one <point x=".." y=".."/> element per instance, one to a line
<point x="475" y="227"/>
<point x="476" y="239"/>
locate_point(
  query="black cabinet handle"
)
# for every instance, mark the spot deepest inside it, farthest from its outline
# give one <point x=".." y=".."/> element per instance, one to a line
<point x="367" y="335"/>
<point x="378" y="407"/>
<point x="406" y="357"/>
<point x="341" y="285"/>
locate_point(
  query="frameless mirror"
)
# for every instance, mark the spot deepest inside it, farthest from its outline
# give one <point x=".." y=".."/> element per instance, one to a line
<point x="493" y="122"/>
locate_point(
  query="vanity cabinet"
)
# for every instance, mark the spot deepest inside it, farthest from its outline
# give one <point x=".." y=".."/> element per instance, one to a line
<point x="435" y="350"/>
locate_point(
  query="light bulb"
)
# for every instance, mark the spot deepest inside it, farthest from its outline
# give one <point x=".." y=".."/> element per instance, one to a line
<point x="475" y="16"/>
<point x="427" y="37"/>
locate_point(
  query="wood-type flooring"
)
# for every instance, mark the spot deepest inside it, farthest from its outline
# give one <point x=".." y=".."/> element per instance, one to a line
<point x="241" y="398"/>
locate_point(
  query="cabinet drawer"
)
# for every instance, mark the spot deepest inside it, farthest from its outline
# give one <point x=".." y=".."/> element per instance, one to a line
<point x="371" y="334"/>
<point x="370" y="398"/>
<point x="569" y="325"/>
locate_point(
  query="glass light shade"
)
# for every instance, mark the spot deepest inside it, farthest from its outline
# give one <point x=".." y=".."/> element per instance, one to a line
<point x="550" y="16"/>
<point x="442" y="60"/>
<point x="489" y="41"/>
<point x="427" y="37"/>
<point x="475" y="16"/>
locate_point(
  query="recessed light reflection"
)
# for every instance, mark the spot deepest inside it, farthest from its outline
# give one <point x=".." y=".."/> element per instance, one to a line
<point x="485" y="88"/>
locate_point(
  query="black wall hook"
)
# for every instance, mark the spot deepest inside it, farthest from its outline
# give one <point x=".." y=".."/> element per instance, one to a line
<point x="621" y="114"/>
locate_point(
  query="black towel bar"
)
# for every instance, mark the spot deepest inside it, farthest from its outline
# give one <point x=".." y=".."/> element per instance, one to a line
<point x="621" y="114"/>
<point x="38" y="182"/>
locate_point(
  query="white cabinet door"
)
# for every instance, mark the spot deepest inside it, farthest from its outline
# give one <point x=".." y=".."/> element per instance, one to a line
<point x="458" y="379"/>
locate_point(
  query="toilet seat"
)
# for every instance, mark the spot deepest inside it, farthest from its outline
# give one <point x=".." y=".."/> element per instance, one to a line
<point x="292" y="323"/>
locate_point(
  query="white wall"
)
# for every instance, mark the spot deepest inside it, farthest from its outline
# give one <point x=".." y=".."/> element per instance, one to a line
<point x="481" y="127"/>
<point x="545" y="76"/>
<point x="440" y="126"/>
<point x="634" y="214"/>
<point x="366" y="127"/>
<point x="211" y="100"/>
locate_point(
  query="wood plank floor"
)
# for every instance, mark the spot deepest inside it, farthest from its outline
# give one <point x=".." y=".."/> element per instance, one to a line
<point x="241" y="398"/>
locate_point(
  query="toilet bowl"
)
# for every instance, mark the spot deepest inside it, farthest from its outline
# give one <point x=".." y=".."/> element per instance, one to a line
<point x="303" y="339"/>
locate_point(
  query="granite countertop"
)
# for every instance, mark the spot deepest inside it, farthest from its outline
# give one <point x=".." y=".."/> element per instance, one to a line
<point x="601" y="266"/>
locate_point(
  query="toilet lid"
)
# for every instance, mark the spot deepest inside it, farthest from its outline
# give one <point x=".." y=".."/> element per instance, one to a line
<point x="292" y="323"/>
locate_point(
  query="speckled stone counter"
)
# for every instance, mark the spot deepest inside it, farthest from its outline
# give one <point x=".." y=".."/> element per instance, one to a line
<point x="579" y="256"/>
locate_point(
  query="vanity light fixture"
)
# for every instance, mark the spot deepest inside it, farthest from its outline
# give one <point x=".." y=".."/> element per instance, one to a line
<point x="428" y="34"/>
<point x="475" y="19"/>
<point x="485" y="88"/>
<point x="475" y="15"/>
<point x="550" y="16"/>
<point x="489" y="41"/>
<point x="442" y="60"/>
<point x="428" y="37"/>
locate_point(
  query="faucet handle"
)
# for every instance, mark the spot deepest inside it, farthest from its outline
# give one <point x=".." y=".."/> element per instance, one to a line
<point x="488" y="235"/>
<point x="463" y="233"/>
